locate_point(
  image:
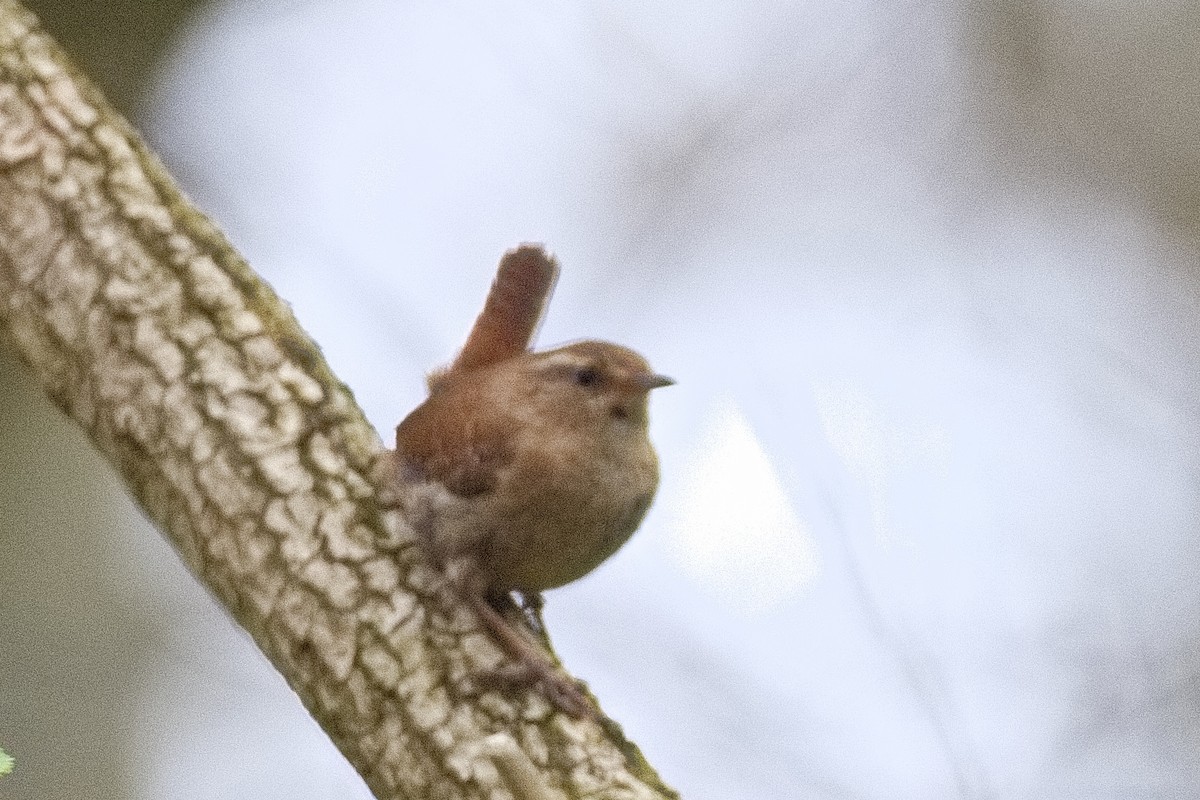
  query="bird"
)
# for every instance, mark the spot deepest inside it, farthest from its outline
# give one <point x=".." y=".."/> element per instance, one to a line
<point x="525" y="470"/>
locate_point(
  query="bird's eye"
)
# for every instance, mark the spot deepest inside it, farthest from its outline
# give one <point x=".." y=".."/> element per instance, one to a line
<point x="587" y="376"/>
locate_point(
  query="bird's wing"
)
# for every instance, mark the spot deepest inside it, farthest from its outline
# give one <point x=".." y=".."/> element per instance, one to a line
<point x="446" y="439"/>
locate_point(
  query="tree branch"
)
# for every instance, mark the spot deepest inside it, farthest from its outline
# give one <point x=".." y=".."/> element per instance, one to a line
<point x="219" y="412"/>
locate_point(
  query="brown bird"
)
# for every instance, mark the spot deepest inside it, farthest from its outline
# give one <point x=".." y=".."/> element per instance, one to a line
<point x="524" y="471"/>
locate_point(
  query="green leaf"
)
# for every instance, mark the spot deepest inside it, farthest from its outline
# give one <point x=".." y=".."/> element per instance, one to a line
<point x="6" y="763"/>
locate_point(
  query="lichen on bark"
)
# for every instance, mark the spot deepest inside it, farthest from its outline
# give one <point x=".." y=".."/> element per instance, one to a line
<point x="195" y="381"/>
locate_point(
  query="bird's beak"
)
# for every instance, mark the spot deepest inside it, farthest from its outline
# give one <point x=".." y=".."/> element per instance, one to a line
<point x="649" y="380"/>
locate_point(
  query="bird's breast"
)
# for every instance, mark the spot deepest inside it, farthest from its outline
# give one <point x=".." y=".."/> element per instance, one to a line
<point x="564" y="512"/>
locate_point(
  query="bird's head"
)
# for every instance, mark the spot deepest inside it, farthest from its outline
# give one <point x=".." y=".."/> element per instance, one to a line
<point x="593" y="383"/>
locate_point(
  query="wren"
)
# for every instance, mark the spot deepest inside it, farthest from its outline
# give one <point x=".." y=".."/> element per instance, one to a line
<point x="524" y="471"/>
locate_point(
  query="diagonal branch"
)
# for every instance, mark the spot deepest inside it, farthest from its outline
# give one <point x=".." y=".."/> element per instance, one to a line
<point x="219" y="412"/>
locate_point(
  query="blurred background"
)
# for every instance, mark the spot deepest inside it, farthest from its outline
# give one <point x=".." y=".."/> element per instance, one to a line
<point x="926" y="274"/>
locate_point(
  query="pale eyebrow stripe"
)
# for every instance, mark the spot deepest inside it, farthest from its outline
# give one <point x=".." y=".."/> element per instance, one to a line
<point x="556" y="361"/>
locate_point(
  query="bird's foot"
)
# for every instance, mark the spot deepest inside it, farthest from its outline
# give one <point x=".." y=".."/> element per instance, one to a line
<point x="531" y="666"/>
<point x="564" y="693"/>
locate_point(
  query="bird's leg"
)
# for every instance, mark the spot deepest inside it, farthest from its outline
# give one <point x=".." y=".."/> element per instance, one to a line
<point x="534" y="665"/>
<point x="520" y="609"/>
<point x="531" y="606"/>
<point x="528" y="604"/>
<point x="503" y="602"/>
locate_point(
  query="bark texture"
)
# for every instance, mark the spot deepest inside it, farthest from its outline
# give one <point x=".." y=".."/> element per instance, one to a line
<point x="218" y="411"/>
